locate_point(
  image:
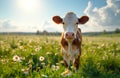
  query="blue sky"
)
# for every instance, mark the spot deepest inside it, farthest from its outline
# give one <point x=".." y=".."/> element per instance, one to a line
<point x="33" y="15"/>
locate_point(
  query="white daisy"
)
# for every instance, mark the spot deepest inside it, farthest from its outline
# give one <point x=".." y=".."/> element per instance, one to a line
<point x="41" y="58"/>
<point x="55" y="67"/>
<point x="16" y="58"/>
<point x="37" y="49"/>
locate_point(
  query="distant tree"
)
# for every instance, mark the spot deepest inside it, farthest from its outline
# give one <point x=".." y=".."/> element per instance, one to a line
<point x="45" y="32"/>
<point x="37" y="32"/>
<point x="117" y="30"/>
<point x="104" y="31"/>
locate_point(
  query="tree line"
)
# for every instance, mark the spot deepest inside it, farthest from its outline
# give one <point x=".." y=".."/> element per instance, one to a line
<point x="117" y="30"/>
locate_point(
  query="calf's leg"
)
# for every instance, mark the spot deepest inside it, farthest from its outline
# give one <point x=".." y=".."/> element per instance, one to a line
<point x="77" y="62"/>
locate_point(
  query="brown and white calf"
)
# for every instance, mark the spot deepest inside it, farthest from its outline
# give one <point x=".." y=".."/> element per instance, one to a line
<point x="71" y="38"/>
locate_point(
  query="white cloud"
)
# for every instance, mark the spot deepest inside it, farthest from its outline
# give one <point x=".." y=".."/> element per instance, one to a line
<point x="13" y="26"/>
<point x="106" y="17"/>
<point x="7" y="25"/>
<point x="51" y="26"/>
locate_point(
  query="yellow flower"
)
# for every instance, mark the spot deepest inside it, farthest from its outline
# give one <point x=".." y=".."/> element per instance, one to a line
<point x="66" y="73"/>
<point x="56" y="54"/>
<point x="41" y="58"/>
<point x="62" y="62"/>
<point x="21" y="47"/>
<point x="48" y="53"/>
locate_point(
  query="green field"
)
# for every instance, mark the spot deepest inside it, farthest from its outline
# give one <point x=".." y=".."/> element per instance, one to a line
<point x="33" y="56"/>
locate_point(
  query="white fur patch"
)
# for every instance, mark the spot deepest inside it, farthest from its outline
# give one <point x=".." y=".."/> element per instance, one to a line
<point x="70" y="55"/>
<point x="70" y="21"/>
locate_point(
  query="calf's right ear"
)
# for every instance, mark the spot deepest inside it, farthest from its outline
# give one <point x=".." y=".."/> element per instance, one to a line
<point x="57" y="19"/>
<point x="83" y="19"/>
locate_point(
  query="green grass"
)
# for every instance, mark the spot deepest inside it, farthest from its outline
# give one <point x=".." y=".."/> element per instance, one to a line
<point x="100" y="57"/>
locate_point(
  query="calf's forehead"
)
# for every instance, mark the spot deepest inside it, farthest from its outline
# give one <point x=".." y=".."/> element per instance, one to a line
<point x="70" y="18"/>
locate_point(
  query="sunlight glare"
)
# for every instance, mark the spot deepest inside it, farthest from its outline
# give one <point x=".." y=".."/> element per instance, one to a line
<point x="29" y="5"/>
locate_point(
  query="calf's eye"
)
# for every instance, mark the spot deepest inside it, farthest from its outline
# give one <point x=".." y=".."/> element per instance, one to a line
<point x="63" y="23"/>
<point x="77" y="23"/>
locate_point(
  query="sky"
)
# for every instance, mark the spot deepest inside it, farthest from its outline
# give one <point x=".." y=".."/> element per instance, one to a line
<point x="33" y="15"/>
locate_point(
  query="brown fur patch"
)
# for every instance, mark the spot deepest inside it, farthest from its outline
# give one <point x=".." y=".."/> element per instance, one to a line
<point x="66" y="65"/>
<point x="75" y="44"/>
<point x="63" y="41"/>
<point x="75" y="41"/>
<point x="77" y="62"/>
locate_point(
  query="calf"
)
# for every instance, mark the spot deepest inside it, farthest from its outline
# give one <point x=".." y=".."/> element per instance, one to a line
<point x="71" y="38"/>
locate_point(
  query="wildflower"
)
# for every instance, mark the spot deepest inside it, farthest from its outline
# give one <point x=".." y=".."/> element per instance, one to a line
<point x="55" y="67"/>
<point x="30" y="61"/>
<point x="25" y="71"/>
<point x="57" y="48"/>
<point x="16" y="58"/>
<point x="18" y="44"/>
<point x="7" y="49"/>
<point x="22" y="58"/>
<point x="13" y="50"/>
<point x="1" y="56"/>
<point x="30" y="65"/>
<point x="48" y="53"/>
<point x="41" y="58"/>
<point x="102" y="45"/>
<point x="4" y="61"/>
<point x="57" y="63"/>
<point x="30" y="46"/>
<point x="56" y="54"/>
<point x="12" y="62"/>
<point x="30" y="41"/>
<point x="32" y="53"/>
<point x="1" y="42"/>
<point x="20" y="41"/>
<point x="62" y="62"/>
<point x="73" y="67"/>
<point x="105" y="57"/>
<point x="37" y="49"/>
<point x="5" y="56"/>
<point x="43" y="64"/>
<point x="44" y="76"/>
<point x="21" y="47"/>
<point x="66" y="73"/>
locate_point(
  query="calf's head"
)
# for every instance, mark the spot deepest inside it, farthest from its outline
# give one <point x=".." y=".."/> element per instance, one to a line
<point x="70" y="24"/>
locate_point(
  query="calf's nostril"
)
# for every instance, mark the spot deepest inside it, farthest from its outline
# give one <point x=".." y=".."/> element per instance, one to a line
<point x="66" y="34"/>
<point x="69" y="34"/>
<point x="72" y="34"/>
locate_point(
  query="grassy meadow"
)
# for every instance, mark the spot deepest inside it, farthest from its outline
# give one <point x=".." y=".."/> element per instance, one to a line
<point x="34" y="56"/>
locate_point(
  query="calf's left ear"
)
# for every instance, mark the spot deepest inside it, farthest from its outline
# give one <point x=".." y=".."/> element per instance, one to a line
<point x="83" y="19"/>
<point x="57" y="19"/>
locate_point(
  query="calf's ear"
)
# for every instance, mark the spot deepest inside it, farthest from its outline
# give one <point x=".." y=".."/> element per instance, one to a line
<point x="57" y="19"/>
<point x="83" y="19"/>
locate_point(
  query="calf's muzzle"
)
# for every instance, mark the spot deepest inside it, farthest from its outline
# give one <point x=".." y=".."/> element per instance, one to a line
<point x="69" y="35"/>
